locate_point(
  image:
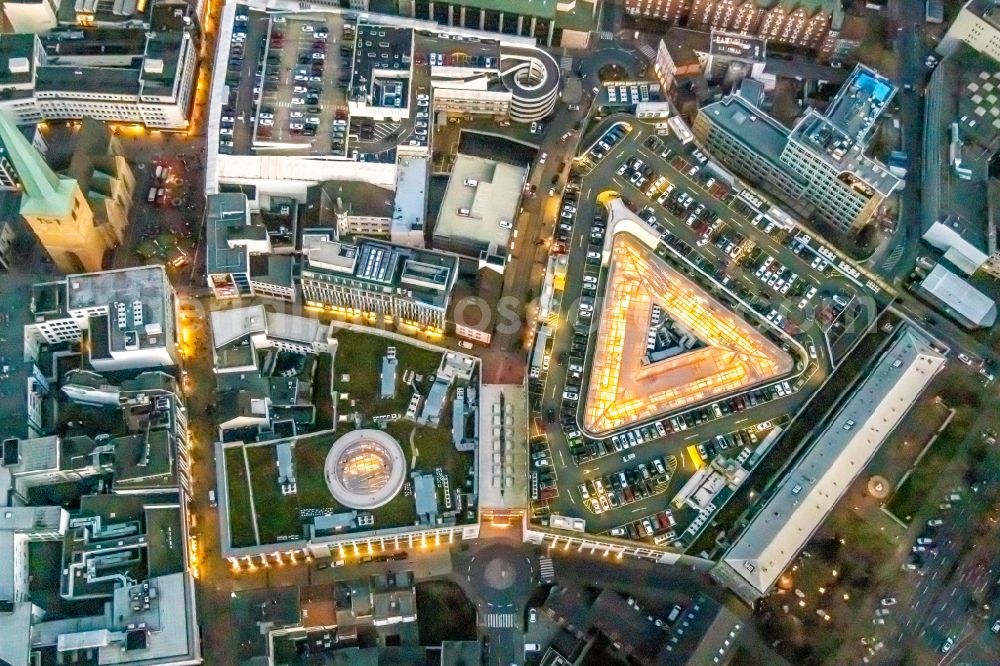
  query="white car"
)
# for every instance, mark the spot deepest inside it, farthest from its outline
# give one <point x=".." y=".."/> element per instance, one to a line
<point x="267" y="122"/>
<point x="295" y="126"/>
<point x="298" y="101"/>
<point x="296" y="114"/>
<point x="572" y="396"/>
<point x="308" y="28"/>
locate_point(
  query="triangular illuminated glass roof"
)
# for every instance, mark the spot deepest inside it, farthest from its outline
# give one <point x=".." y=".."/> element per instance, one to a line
<point x="625" y="387"/>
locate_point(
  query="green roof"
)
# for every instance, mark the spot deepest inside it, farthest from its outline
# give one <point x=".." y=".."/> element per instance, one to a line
<point x="43" y="191"/>
<point x="580" y="18"/>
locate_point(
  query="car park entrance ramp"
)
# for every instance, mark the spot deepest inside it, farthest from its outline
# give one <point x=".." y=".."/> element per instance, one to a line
<point x="627" y="386"/>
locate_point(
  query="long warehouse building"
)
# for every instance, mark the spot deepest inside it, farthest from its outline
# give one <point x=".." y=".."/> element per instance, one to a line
<point x="808" y="494"/>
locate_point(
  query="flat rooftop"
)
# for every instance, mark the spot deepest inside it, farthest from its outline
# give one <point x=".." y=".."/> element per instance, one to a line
<point x="625" y="388"/>
<point x="17" y="59"/>
<point x="137" y="302"/>
<point x="860" y="102"/>
<point x="409" y="211"/>
<point x="540" y="8"/>
<point x="226" y="215"/>
<point x="826" y="140"/>
<point x="960" y="297"/>
<point x="751" y="126"/>
<point x="978" y="113"/>
<point x="480" y="202"/>
<point x="426" y="275"/>
<point x="987" y="10"/>
<point x="836" y="457"/>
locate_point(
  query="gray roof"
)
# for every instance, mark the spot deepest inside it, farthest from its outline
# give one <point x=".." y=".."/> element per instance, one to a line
<point x="492" y="200"/>
<point x="121" y="81"/>
<point x="225" y="214"/>
<point x="16" y="51"/>
<point x="142" y="296"/>
<point x="411" y="187"/>
<point x="751" y="126"/>
<point x="424" y="275"/>
<point x="860" y="102"/>
<point x="960" y="297"/>
<point x="836" y="457"/>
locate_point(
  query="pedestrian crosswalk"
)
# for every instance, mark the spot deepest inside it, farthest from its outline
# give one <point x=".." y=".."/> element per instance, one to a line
<point x="545" y="569"/>
<point x="501" y="621"/>
<point x="606" y="35"/>
<point x="566" y="63"/>
<point x="647" y="50"/>
<point x="893" y="258"/>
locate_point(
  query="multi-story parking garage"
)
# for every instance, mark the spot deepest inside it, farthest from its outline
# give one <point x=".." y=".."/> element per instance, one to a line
<point x="532" y="77"/>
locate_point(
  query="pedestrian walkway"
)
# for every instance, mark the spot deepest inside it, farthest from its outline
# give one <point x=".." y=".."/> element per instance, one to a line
<point x="566" y="63"/>
<point x="501" y="621"/>
<point x="606" y="35"/>
<point x="546" y="571"/>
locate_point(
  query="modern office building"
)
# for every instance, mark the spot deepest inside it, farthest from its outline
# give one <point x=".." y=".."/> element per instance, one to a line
<point x="819" y="167"/>
<point x="139" y="68"/>
<point x="978" y="25"/>
<point x="128" y="315"/>
<point x="380" y="281"/>
<point x="793" y="513"/>
<point x="808" y="24"/>
<point x="240" y="257"/>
